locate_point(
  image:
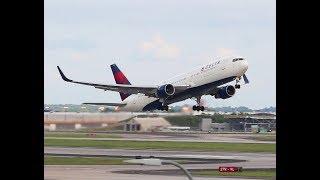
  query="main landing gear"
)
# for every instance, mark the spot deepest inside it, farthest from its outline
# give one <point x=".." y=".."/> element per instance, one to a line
<point x="237" y="86"/>
<point x="198" y="107"/>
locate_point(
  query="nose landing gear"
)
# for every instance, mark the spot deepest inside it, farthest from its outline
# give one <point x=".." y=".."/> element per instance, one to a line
<point x="237" y="86"/>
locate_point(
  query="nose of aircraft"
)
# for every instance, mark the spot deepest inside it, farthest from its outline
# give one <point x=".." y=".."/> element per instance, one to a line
<point x="244" y="65"/>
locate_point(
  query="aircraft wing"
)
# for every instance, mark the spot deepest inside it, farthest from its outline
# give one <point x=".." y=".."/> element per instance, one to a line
<point x="124" y="88"/>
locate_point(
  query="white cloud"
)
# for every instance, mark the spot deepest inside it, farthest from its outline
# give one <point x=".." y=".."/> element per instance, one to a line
<point x="159" y="48"/>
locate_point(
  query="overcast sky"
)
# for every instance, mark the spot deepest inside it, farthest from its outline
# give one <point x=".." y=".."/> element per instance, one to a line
<point x="153" y="40"/>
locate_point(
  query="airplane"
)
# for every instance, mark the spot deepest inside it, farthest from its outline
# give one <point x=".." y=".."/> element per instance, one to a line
<point x="209" y="79"/>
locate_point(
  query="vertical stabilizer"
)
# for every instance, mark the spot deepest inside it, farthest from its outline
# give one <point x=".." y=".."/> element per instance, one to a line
<point x="120" y="78"/>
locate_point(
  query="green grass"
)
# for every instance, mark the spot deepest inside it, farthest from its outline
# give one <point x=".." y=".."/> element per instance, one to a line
<point x="163" y="145"/>
<point x="54" y="160"/>
<point x="257" y="173"/>
<point x="80" y="135"/>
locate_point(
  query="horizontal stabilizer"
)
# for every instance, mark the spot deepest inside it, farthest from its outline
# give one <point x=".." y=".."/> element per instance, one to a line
<point x="107" y="104"/>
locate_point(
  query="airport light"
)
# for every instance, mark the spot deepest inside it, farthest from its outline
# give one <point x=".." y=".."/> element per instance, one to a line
<point x="83" y="110"/>
<point x="245" y="124"/>
<point x="159" y="162"/>
<point x="65" y="112"/>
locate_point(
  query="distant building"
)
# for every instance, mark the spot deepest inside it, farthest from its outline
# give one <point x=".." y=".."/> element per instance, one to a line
<point x="243" y="123"/>
<point x="205" y="124"/>
<point x="73" y="121"/>
<point x="220" y="127"/>
<point x="146" y="124"/>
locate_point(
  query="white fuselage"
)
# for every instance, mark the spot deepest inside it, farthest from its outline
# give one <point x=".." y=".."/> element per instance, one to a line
<point x="218" y="70"/>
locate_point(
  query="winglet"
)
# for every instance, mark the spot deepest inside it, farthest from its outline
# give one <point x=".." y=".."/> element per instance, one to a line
<point x="63" y="76"/>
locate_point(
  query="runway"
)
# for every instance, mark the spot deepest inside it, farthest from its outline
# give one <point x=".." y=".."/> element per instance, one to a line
<point x="251" y="160"/>
<point x="99" y="172"/>
<point x="265" y="160"/>
<point x="200" y="159"/>
<point x="105" y="172"/>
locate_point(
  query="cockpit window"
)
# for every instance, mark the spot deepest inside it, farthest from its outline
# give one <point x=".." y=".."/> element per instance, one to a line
<point x="237" y="59"/>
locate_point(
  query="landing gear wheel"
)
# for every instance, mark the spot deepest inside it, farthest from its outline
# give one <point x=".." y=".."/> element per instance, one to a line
<point x="194" y="108"/>
<point x="198" y="108"/>
<point x="237" y="86"/>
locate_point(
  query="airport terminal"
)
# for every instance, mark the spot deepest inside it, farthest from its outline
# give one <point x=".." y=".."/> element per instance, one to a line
<point x="152" y="122"/>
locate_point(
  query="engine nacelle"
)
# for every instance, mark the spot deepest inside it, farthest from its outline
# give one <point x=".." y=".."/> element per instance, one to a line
<point x="225" y="92"/>
<point x="165" y="91"/>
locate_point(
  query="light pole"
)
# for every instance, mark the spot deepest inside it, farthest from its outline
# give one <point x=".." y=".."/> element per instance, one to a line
<point x="83" y="110"/>
<point x="245" y="124"/>
<point x="159" y="162"/>
<point x="65" y="112"/>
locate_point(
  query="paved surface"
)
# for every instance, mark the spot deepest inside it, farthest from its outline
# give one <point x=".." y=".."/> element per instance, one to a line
<point x="254" y="160"/>
<point x="97" y="172"/>
<point x="105" y="172"/>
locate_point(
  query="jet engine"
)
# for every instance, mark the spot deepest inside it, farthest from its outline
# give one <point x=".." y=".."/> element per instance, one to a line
<point x="225" y="92"/>
<point x="165" y="91"/>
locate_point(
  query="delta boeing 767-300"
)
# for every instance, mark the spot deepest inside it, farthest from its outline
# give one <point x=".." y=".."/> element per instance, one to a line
<point x="206" y="80"/>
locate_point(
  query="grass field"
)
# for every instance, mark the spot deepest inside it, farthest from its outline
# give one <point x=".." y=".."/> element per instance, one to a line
<point x="54" y="160"/>
<point x="80" y="135"/>
<point x="252" y="173"/>
<point x="163" y="145"/>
